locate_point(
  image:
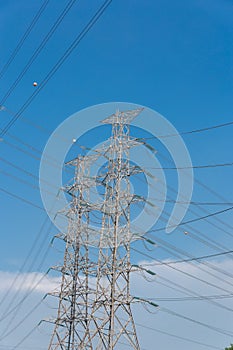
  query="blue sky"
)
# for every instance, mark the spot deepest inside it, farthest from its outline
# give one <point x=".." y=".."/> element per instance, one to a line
<point x="173" y="57"/>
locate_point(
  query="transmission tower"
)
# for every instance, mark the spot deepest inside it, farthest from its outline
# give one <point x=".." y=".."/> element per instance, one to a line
<point x="94" y="300"/>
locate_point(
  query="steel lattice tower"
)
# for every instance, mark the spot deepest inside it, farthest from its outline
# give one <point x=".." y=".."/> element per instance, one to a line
<point x="94" y="309"/>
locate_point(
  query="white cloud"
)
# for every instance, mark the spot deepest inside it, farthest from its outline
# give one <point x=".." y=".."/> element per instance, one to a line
<point x="22" y="282"/>
<point x="200" y="310"/>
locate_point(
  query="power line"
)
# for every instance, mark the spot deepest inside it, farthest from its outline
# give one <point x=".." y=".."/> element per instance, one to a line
<point x="55" y="68"/>
<point x="12" y="347"/>
<point x="181" y="271"/>
<point x="216" y="329"/>
<point x="196" y="203"/>
<point x="187" y="132"/>
<point x="24" y="37"/>
<point x="195" y="166"/>
<point x="26" y="183"/>
<point x="26" y="260"/>
<point x="39" y="49"/>
<point x="39" y="250"/>
<point x="202" y="297"/>
<point x="209" y="242"/>
<point x="215" y="246"/>
<point x="180" y="251"/>
<point x="193" y="220"/>
<point x="49" y="160"/>
<point x="189" y="319"/>
<point x="212" y="255"/>
<point x="8" y="310"/>
<point x="192" y="259"/>
<point x="201" y="344"/>
<point x="177" y="336"/>
<point x="26" y="295"/>
<point x="35" y="187"/>
<point x="26" y="172"/>
<point x="137" y="324"/>
<point x="207" y="188"/>
<point x="21" y="198"/>
<point x="6" y="334"/>
<point x="169" y="201"/>
<point x="214" y="217"/>
<point x="145" y="327"/>
<point x="205" y="218"/>
<point x="196" y="278"/>
<point x="181" y="289"/>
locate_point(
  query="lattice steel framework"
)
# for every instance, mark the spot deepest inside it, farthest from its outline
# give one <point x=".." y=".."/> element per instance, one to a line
<point x="94" y="309"/>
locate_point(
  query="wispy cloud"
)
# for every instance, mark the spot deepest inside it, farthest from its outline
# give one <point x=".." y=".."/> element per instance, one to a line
<point x="197" y="309"/>
<point x="36" y="281"/>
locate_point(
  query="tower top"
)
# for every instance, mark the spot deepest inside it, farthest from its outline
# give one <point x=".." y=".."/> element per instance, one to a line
<point x="122" y="117"/>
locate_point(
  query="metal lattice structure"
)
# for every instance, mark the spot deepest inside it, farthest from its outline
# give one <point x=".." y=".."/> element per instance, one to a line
<point x="94" y="309"/>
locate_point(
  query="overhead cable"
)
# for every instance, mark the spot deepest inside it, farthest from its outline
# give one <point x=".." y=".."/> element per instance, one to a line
<point x="24" y="37"/>
<point x="59" y="63"/>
